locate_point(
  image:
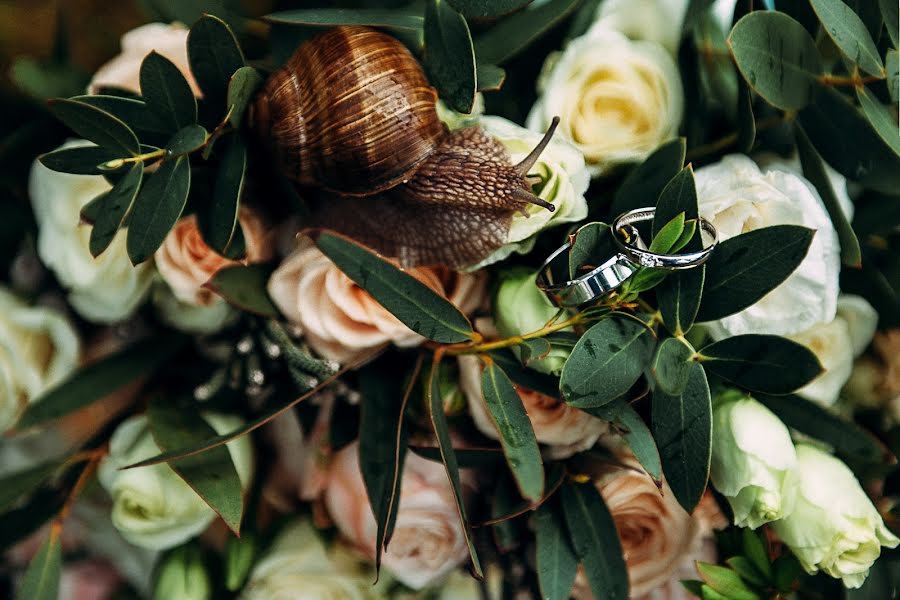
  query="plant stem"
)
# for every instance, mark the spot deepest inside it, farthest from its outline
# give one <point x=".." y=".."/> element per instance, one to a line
<point x="478" y="348"/>
<point x="732" y="138"/>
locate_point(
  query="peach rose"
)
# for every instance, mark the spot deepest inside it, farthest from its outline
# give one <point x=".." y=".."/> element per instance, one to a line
<point x="565" y="429"/>
<point x="186" y="263"/>
<point x="123" y="71"/>
<point x="339" y="319"/>
<point x="428" y="540"/>
<point x="91" y="579"/>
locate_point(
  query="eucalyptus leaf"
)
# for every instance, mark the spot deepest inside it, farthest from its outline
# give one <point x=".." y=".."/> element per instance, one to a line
<point x="219" y="221"/>
<point x="331" y="17"/>
<point x="762" y="363"/>
<point x="17" y="485"/>
<point x="149" y="126"/>
<point x="244" y="287"/>
<point x="466" y="458"/>
<point x="755" y="551"/>
<point x="668" y="235"/>
<point x="96" y="125"/>
<point x="489" y="77"/>
<point x="241" y="88"/>
<point x="890" y="12"/>
<point x="214" y="56"/>
<point x="883" y="122"/>
<point x="112" y="208"/>
<point x="635" y="432"/>
<point x="746" y="570"/>
<point x="587" y="243"/>
<point x="41" y="580"/>
<point x="672" y="365"/>
<point x="449" y="55"/>
<point x="533" y="350"/>
<point x="646" y="182"/>
<point x="512" y="35"/>
<point x="850" y="34"/>
<point x="157" y="207"/>
<point x="679" y="197"/>
<point x="694" y="11"/>
<point x="892" y="66"/>
<point x="725" y="581"/>
<point x="487" y="8"/>
<point x="81" y="160"/>
<point x="746" y="119"/>
<point x="556" y="560"/>
<point x="187" y="139"/>
<point x="166" y="91"/>
<point x="530" y="379"/>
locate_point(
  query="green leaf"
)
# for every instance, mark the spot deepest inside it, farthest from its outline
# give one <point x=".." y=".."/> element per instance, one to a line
<point x="214" y="56"/>
<point x="487" y="8"/>
<point x="725" y="581"/>
<point x="45" y="79"/>
<point x="166" y="91"/>
<point x="746" y="267"/>
<point x="18" y="523"/>
<point x="218" y="222"/>
<point x="892" y="65"/>
<point x="41" y="580"/>
<point x="746" y="120"/>
<point x="244" y="287"/>
<point x="883" y="122"/>
<point x="532" y="350"/>
<point x="515" y="33"/>
<point x="762" y="363"/>
<point x="112" y="207"/>
<point x="668" y="234"/>
<point x="211" y="474"/>
<point x="535" y="381"/>
<point x="595" y="539"/>
<point x="82" y="160"/>
<point x="99" y="379"/>
<point x="331" y="17"/>
<point x="449" y="56"/>
<point x="607" y="360"/>
<point x="849" y="34"/>
<point x="589" y="241"/>
<point x="408" y="299"/>
<point x="489" y="77"/>
<point x="15" y="486"/>
<point x="556" y="560"/>
<point x="635" y="432"/>
<point x="516" y="433"/>
<point x="96" y="125"/>
<point x="149" y="127"/>
<point x="755" y="551"/>
<point x="695" y="10"/>
<point x="241" y="87"/>
<point x="157" y="208"/>
<point x="777" y="57"/>
<point x="746" y="570"/>
<point x="890" y="11"/>
<point x="646" y="182"/>
<point x="672" y="365"/>
<point x="788" y="571"/>
<point x="187" y="139"/>
<point x="682" y="426"/>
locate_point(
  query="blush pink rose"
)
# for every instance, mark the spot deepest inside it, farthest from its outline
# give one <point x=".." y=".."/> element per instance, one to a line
<point x="93" y="579"/>
<point x="428" y="541"/>
<point x="186" y="263"/>
<point x="339" y="319"/>
<point x="123" y="71"/>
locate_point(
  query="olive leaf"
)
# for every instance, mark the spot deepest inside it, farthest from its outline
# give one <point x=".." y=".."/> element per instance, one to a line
<point x="96" y="125"/>
<point x="41" y="580"/>
<point x="112" y="207"/>
<point x="157" y="208"/>
<point x="647" y="180"/>
<point x="214" y="56"/>
<point x="557" y="563"/>
<point x="218" y="222"/>
<point x="149" y="126"/>
<point x="81" y="160"/>
<point x="166" y="91"/>
<point x="449" y="55"/>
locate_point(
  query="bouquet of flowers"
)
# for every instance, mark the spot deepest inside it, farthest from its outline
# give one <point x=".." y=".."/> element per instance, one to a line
<point x="455" y="299"/>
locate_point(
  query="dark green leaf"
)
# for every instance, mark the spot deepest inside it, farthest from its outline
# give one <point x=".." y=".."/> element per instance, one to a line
<point x="556" y="560"/>
<point x="149" y="126"/>
<point x="166" y="91"/>
<point x="719" y="79"/>
<point x="112" y="207"/>
<point x="157" y="208"/>
<point x="672" y="365"/>
<point x="15" y="486"/>
<point x="211" y="474"/>
<point x="41" y="580"/>
<point x="756" y="553"/>
<point x="449" y="56"/>
<point x="746" y="570"/>
<point x="725" y="581"/>
<point x="883" y="122"/>
<point x="214" y="56"/>
<point x="890" y="12"/>
<point x="762" y="363"/>
<point x="788" y="571"/>
<point x="466" y="458"/>
<point x="682" y="426"/>
<point x="241" y="87"/>
<point x="187" y="139"/>
<point x="18" y="523"/>
<point x="645" y="183"/>
<point x="777" y="57"/>
<point x="512" y="35"/>
<point x="408" y="299"/>
<point x="98" y="379"/>
<point x="515" y="430"/>
<point x="487" y="8"/>
<point x="668" y="235"/>
<point x="590" y="241"/>
<point x="244" y="287"/>
<point x="679" y="197"/>
<point x="331" y="17"/>
<point x="524" y="377"/>
<point x="82" y="160"/>
<point x="892" y="65"/>
<point x="635" y="433"/>
<point x="583" y="19"/>
<point x="746" y="267"/>
<point x="695" y="10"/>
<point x="607" y="360"/>
<point x="96" y="125"/>
<point x="849" y="34"/>
<point x="45" y="79"/>
<point x="219" y="222"/>
<point x="814" y="171"/>
<point x="595" y="539"/>
<point x="489" y="77"/>
<point x="746" y="120"/>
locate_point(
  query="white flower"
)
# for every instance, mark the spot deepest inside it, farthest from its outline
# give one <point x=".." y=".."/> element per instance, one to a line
<point x="152" y="506"/>
<point x="737" y="197"/>
<point x="617" y="99"/>
<point x="563" y="181"/>
<point x="836" y="344"/>
<point x="103" y="289"/>
<point x="834" y="526"/>
<point x="753" y="461"/>
<point x="650" y="20"/>
<point x="458" y="120"/>
<point x="38" y="348"/>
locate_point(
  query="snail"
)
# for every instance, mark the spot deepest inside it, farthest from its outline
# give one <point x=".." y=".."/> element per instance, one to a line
<point x="352" y="113"/>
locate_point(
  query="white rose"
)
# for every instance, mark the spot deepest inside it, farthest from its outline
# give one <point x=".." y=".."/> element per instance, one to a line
<point x="152" y="506"/>
<point x="103" y="289"/>
<point x="651" y="20"/>
<point x="458" y="120"/>
<point x="617" y="99"/>
<point x="737" y="197"/>
<point x="834" y="526"/>
<point x="563" y="181"/>
<point x="836" y="344"/>
<point x="38" y="348"/>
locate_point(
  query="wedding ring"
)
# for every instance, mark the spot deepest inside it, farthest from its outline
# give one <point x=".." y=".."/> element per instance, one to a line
<point x="631" y="245"/>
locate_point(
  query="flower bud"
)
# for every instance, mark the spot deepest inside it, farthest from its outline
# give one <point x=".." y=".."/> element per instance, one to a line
<point x="753" y="460"/>
<point x="183" y="575"/>
<point x="834" y="526"/>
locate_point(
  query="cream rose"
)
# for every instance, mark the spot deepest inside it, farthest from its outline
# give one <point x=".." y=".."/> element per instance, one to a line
<point x="650" y="20"/>
<point x="38" y="348"/>
<point x="124" y="70"/>
<point x="617" y="99"/>
<point x="565" y="429"/>
<point x="428" y="540"/>
<point x="737" y="197"/>
<point x="152" y="506"/>
<point x="340" y="320"/>
<point x="103" y="289"/>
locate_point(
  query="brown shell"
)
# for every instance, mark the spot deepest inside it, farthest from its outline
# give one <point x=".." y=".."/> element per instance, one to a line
<point x="351" y="111"/>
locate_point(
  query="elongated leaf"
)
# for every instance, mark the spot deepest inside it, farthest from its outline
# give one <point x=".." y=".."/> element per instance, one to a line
<point x="890" y="12"/>
<point x="166" y="91"/>
<point x="241" y="87"/>
<point x="606" y="362"/>
<point x="881" y="119"/>
<point x="725" y="581"/>
<point x="755" y="551"/>
<point x="892" y="65"/>
<point x="489" y="77"/>
<point x="556" y="560"/>
<point x="187" y="139"/>
<point x="777" y="57"/>
<point x="635" y="433"/>
<point x="849" y="34"/>
<point x="98" y="379"/>
<point x="408" y="299"/>
<point x="746" y="267"/>
<point x="214" y="56"/>
<point x="595" y="539"/>
<point x="515" y="430"/>
<point x="512" y="35"/>
<point x="645" y="183"/>
<point x="672" y="365"/>
<point x="18" y="523"/>
<point x="331" y="17"/>
<point x="590" y="241"/>
<point x="682" y="426"/>
<point x="679" y="197"/>
<point x="20" y="484"/>
<point x="762" y="363"/>
<point x="41" y="580"/>
<point x="526" y="378"/>
<point x="96" y="125"/>
<point x="668" y="235"/>
<point x="112" y="207"/>
<point x="211" y="474"/>
<point x="82" y="160"/>
<point x="746" y="119"/>
<point x="219" y="223"/>
<point x="157" y="208"/>
<point x="149" y="127"/>
<point x="487" y="8"/>
<point x="449" y="56"/>
<point x="244" y="287"/>
<point x="466" y="458"/>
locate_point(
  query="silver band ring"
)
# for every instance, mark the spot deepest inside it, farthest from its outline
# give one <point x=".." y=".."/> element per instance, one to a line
<point x="631" y="245"/>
